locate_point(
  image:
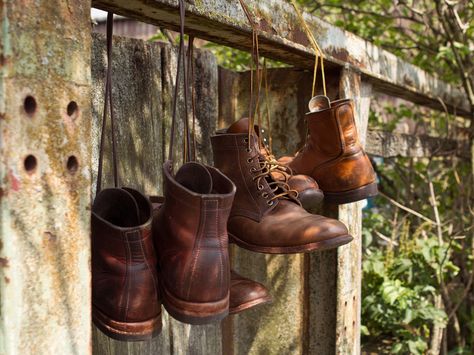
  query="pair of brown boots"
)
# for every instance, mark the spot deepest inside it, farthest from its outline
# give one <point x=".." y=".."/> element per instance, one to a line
<point x="145" y="252"/>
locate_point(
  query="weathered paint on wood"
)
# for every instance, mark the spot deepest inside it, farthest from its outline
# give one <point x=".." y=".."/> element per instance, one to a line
<point x="143" y="83"/>
<point x="349" y="257"/>
<point x="282" y="38"/>
<point x="44" y="204"/>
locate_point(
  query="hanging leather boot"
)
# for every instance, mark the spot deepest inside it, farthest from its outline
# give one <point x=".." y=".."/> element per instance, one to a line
<point x="309" y="193"/>
<point x="246" y="293"/>
<point x="125" y="294"/>
<point x="265" y="216"/>
<point x="192" y="244"/>
<point x="333" y="155"/>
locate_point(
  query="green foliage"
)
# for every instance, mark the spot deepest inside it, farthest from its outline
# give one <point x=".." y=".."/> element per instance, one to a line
<point x="406" y="261"/>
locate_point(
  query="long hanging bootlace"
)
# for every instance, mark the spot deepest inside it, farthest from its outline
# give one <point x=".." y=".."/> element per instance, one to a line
<point x="267" y="165"/>
<point x="108" y="104"/>
<point x="187" y="151"/>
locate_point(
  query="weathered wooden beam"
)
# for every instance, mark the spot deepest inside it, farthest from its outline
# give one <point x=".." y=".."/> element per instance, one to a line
<point x="386" y="144"/>
<point x="45" y="122"/>
<point x="282" y="38"/>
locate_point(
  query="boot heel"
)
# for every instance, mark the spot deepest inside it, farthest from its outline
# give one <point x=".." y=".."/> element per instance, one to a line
<point x="126" y="331"/>
<point x="358" y="194"/>
<point x="195" y="312"/>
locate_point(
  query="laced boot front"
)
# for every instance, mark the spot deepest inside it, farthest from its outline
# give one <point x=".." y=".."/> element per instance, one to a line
<point x="309" y="193"/>
<point x="266" y="216"/>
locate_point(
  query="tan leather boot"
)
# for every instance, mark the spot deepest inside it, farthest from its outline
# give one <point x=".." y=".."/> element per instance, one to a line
<point x="333" y="155"/>
<point x="265" y="217"/>
<point x="309" y="193"/>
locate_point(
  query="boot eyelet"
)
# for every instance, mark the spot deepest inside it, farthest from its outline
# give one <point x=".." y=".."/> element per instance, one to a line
<point x="249" y="160"/>
<point x="264" y="194"/>
<point x="246" y="140"/>
<point x="260" y="187"/>
<point x="252" y="170"/>
<point x="270" y="203"/>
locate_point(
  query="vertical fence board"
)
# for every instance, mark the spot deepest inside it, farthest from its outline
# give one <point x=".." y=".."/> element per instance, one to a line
<point x="349" y="257"/>
<point x="44" y="218"/>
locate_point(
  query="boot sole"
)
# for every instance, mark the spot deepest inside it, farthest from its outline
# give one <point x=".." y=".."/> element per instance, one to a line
<point x="305" y="248"/>
<point x="250" y="304"/>
<point x="354" y="195"/>
<point x="195" y="312"/>
<point x="126" y="331"/>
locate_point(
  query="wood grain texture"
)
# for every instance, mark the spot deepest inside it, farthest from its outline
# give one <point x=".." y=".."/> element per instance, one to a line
<point x="349" y="257"/>
<point x="45" y="216"/>
<point x="387" y="144"/>
<point x="282" y="38"/>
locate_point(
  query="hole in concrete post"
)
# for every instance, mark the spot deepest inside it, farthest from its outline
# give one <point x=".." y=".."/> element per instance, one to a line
<point x="72" y="164"/>
<point x="30" y="164"/>
<point x="29" y="105"/>
<point x="72" y="109"/>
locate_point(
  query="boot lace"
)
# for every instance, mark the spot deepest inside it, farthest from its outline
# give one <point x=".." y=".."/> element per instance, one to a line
<point x="279" y="188"/>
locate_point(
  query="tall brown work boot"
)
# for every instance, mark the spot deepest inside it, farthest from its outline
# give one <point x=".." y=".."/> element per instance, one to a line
<point x="190" y="232"/>
<point x="333" y="155"/>
<point x="265" y="217"/>
<point x="125" y="294"/>
<point x="244" y="293"/>
<point x="309" y="193"/>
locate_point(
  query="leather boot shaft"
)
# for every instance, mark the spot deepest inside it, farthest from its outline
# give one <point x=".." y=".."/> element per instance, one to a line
<point x="241" y="164"/>
<point x="190" y="231"/>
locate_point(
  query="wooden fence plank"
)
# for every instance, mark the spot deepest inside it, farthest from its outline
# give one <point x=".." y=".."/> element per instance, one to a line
<point x="349" y="257"/>
<point x="282" y="38"/>
<point x="45" y="177"/>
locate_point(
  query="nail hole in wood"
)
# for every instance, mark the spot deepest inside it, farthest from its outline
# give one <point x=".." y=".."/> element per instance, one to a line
<point x="29" y="105"/>
<point x="72" y="109"/>
<point x="30" y="164"/>
<point x="72" y="164"/>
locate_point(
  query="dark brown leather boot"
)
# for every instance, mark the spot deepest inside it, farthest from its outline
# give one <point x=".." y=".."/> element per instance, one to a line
<point x="265" y="216"/>
<point x="192" y="244"/>
<point x="309" y="193"/>
<point x="125" y="295"/>
<point x="246" y="293"/>
<point x="333" y="155"/>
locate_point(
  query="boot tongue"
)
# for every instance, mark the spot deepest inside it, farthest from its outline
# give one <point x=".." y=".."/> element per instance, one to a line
<point x="195" y="177"/>
<point x="319" y="103"/>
